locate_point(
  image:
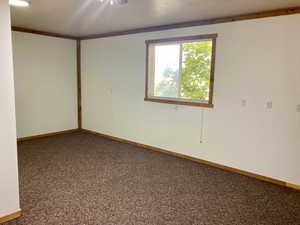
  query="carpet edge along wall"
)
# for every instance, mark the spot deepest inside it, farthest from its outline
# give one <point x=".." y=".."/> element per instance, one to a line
<point x="47" y="135"/>
<point x="11" y="216"/>
<point x="165" y="151"/>
<point x="198" y="160"/>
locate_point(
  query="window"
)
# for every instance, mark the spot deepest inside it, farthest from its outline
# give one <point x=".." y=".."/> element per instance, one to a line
<point x="181" y="70"/>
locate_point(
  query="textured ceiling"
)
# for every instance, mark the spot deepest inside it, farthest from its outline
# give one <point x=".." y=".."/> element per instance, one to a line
<point x="84" y="17"/>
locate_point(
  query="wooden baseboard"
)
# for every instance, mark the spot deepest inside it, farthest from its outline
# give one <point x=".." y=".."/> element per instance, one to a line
<point x="10" y="216"/>
<point x="47" y="135"/>
<point x="231" y="169"/>
<point x="294" y="186"/>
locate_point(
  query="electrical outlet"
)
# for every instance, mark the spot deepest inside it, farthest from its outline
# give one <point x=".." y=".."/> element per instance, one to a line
<point x="269" y="105"/>
<point x="298" y="108"/>
<point x="244" y="102"/>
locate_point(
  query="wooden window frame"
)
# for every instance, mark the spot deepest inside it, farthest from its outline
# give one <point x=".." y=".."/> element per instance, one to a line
<point x="177" y="101"/>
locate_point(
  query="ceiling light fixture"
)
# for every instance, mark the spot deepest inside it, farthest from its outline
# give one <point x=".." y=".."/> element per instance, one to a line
<point x="114" y="2"/>
<point x="20" y="3"/>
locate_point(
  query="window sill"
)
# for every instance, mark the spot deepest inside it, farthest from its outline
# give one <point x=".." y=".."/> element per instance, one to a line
<point x="177" y="102"/>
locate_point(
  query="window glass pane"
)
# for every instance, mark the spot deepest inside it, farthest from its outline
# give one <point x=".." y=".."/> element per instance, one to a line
<point x="196" y="69"/>
<point x="166" y="70"/>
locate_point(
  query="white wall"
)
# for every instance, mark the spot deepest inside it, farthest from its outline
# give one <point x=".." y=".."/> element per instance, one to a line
<point x="257" y="60"/>
<point x="45" y="83"/>
<point x="9" y="187"/>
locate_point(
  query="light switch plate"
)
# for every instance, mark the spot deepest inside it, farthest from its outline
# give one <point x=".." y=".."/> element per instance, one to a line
<point x="269" y="105"/>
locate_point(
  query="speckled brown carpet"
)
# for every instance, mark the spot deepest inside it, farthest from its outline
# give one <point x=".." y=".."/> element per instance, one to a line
<point x="84" y="179"/>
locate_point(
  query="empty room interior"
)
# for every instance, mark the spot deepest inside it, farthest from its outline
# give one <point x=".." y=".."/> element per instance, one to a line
<point x="149" y="112"/>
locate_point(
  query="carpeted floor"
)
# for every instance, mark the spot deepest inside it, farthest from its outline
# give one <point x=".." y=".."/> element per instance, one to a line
<point x="83" y="179"/>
